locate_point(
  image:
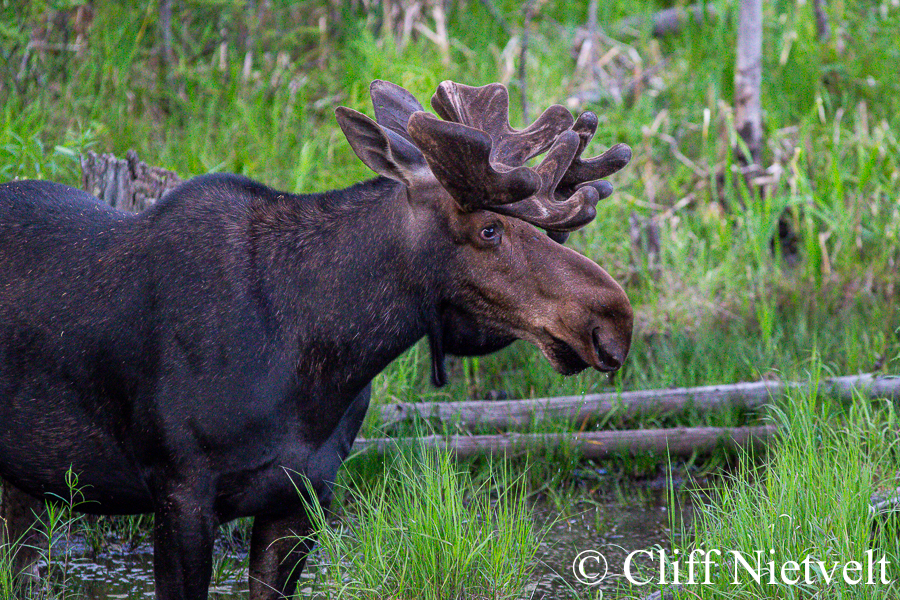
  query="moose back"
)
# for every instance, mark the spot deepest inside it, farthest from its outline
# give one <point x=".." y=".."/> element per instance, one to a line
<point x="188" y="360"/>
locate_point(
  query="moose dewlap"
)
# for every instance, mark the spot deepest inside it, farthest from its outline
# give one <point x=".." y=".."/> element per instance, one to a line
<point x="189" y="359"/>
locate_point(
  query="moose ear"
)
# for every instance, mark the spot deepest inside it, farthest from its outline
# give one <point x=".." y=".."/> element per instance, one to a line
<point x="393" y="106"/>
<point x="381" y="149"/>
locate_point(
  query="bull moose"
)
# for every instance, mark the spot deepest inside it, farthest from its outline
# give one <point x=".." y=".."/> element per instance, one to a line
<point x="183" y="360"/>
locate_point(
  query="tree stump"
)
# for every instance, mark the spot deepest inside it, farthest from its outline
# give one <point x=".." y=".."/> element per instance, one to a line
<point x="128" y="184"/>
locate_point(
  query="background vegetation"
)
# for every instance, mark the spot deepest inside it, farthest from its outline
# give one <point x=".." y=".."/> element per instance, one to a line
<point x="796" y="273"/>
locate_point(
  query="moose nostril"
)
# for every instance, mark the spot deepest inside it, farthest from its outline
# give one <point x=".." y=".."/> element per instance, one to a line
<point x="610" y="358"/>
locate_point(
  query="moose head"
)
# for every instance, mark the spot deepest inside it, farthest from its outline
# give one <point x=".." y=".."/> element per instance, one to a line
<point x="477" y="207"/>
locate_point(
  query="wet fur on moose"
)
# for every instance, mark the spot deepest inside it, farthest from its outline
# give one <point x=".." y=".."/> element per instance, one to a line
<point x="185" y="360"/>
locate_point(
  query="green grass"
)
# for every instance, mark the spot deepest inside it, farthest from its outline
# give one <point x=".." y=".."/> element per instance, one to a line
<point x="809" y="497"/>
<point x="425" y="530"/>
<point x="831" y="118"/>
<point x="7" y="584"/>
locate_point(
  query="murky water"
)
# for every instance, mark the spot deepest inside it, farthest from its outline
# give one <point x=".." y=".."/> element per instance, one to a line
<point x="127" y="573"/>
<point x="613" y="528"/>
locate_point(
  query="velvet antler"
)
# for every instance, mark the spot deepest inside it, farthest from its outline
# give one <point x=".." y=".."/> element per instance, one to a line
<point x="487" y="108"/>
<point x="592" y="169"/>
<point x="479" y="157"/>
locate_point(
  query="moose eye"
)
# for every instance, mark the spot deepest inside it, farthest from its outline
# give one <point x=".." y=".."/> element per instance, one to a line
<point x="490" y="233"/>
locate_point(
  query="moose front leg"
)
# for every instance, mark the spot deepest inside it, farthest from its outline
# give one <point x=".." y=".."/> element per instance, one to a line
<point x="183" y="534"/>
<point x="19" y="522"/>
<point x="278" y="550"/>
<point x="280" y="544"/>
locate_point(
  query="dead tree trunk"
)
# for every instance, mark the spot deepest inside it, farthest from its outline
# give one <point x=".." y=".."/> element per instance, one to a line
<point x="530" y="10"/>
<point x="680" y="442"/>
<point x="129" y="184"/>
<point x="823" y="31"/>
<point x="165" y="25"/>
<point x="747" y="81"/>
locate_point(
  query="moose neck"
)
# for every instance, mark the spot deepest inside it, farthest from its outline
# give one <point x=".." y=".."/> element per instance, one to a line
<point x="348" y="286"/>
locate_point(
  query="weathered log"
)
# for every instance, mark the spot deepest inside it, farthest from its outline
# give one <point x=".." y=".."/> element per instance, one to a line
<point x="680" y="442"/>
<point x="129" y="184"/>
<point x="881" y="505"/>
<point x="670" y="20"/>
<point x="517" y="414"/>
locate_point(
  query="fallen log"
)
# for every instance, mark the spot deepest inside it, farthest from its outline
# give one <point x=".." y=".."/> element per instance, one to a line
<point x="518" y="414"/>
<point x="677" y="442"/>
<point x="882" y="505"/>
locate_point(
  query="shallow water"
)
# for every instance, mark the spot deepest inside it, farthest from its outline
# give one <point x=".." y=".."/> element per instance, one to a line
<point x="613" y="527"/>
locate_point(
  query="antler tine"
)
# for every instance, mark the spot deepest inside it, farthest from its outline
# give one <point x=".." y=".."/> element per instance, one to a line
<point x="587" y="172"/>
<point x="487" y="108"/>
<point x="547" y="208"/>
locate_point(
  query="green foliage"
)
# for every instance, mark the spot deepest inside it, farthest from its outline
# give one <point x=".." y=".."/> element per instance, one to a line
<point x="59" y="520"/>
<point x="7" y="554"/>
<point x="427" y="531"/>
<point x="255" y="95"/>
<point x="810" y="497"/>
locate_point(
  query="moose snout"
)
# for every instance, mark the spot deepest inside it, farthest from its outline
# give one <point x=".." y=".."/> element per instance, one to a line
<point x="613" y="322"/>
<point x="611" y="348"/>
<point x="583" y="317"/>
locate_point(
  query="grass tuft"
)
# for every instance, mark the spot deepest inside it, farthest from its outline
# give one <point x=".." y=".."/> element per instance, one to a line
<point x="811" y="497"/>
<point x="426" y="531"/>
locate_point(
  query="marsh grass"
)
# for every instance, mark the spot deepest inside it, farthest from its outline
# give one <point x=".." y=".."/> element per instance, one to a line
<point x="57" y="526"/>
<point x="7" y="583"/>
<point x="425" y="530"/>
<point x="811" y="497"/>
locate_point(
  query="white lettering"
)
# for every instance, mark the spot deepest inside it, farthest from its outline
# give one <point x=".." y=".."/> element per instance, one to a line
<point x="627" y="567"/>
<point x="853" y="565"/>
<point x="790" y="565"/>
<point x="740" y="561"/>
<point x="707" y="565"/>
<point x="884" y="563"/>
